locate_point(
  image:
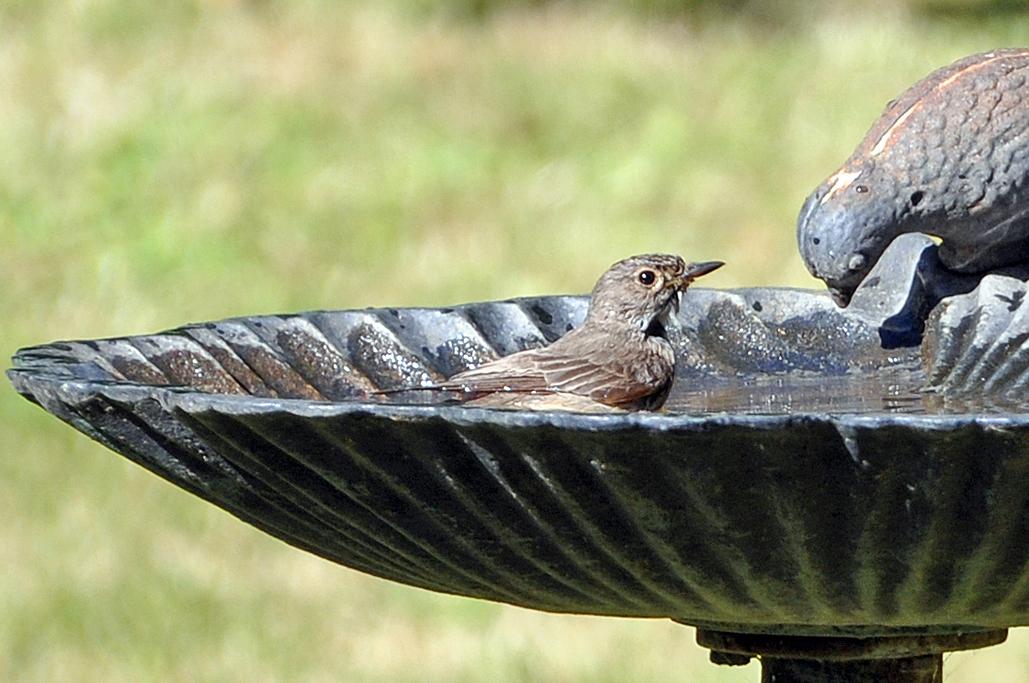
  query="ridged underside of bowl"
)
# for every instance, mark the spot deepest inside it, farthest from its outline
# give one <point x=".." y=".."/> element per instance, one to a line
<point x="787" y="524"/>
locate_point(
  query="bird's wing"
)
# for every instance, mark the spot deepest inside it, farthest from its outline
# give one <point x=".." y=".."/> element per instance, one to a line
<point x="569" y="366"/>
<point x="600" y="376"/>
<point x="517" y="372"/>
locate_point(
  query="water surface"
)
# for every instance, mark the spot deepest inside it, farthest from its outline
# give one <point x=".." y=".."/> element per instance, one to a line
<point x="895" y="390"/>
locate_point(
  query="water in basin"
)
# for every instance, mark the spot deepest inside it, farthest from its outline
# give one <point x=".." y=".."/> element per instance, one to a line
<point x="889" y="390"/>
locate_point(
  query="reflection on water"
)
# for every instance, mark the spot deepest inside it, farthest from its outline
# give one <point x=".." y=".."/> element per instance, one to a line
<point x="896" y="390"/>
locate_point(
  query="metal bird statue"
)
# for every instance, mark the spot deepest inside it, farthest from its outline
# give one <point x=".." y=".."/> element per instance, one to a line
<point x="949" y="158"/>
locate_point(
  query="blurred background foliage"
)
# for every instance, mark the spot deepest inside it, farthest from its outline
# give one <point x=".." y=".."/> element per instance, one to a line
<point x="174" y="162"/>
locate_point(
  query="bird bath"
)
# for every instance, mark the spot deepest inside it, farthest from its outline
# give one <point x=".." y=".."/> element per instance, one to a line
<point x="800" y="500"/>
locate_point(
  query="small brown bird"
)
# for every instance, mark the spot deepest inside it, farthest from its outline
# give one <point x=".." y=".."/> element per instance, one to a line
<point x="619" y="357"/>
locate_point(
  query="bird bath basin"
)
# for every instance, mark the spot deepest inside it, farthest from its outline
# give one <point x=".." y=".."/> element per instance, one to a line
<point x="800" y="499"/>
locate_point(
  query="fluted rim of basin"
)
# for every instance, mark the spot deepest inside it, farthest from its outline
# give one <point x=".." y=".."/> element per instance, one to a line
<point x="188" y="399"/>
<point x="52" y="364"/>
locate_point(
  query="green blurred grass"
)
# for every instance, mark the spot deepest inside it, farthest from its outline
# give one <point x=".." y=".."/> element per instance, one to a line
<point x="168" y="162"/>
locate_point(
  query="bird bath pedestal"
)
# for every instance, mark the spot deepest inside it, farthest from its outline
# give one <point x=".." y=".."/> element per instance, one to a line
<point x="800" y="659"/>
<point x="801" y="500"/>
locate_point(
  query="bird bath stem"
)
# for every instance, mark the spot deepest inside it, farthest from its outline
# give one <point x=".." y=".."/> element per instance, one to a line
<point x="807" y="659"/>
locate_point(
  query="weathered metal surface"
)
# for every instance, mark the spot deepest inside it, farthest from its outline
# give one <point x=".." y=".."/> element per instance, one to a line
<point x="806" y="659"/>
<point x="948" y="157"/>
<point x="842" y="648"/>
<point x="978" y="343"/>
<point x="814" y="523"/>
<point x="921" y="669"/>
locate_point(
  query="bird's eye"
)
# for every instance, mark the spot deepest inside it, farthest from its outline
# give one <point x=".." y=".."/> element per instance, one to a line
<point x="647" y="277"/>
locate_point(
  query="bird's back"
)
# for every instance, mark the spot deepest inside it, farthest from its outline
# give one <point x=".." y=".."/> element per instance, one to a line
<point x="610" y="364"/>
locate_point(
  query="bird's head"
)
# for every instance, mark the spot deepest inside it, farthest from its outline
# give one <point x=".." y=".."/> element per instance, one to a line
<point x="640" y="289"/>
<point x="844" y="227"/>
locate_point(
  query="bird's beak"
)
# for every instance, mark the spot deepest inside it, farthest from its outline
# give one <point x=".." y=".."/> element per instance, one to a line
<point x="841" y="296"/>
<point x="695" y="270"/>
<point x="691" y="272"/>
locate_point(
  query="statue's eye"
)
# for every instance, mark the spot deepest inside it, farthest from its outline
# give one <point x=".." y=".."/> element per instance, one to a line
<point x="647" y="277"/>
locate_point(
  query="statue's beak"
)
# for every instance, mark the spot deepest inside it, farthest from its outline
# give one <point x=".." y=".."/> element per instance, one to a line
<point x="841" y="296"/>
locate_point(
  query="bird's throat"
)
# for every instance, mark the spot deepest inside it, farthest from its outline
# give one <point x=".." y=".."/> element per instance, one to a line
<point x="656" y="328"/>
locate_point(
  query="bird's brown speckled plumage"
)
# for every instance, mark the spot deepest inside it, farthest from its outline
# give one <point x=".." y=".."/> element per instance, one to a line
<point x="619" y="357"/>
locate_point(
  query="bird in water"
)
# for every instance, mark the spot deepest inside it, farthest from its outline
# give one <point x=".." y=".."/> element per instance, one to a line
<point x="619" y="358"/>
